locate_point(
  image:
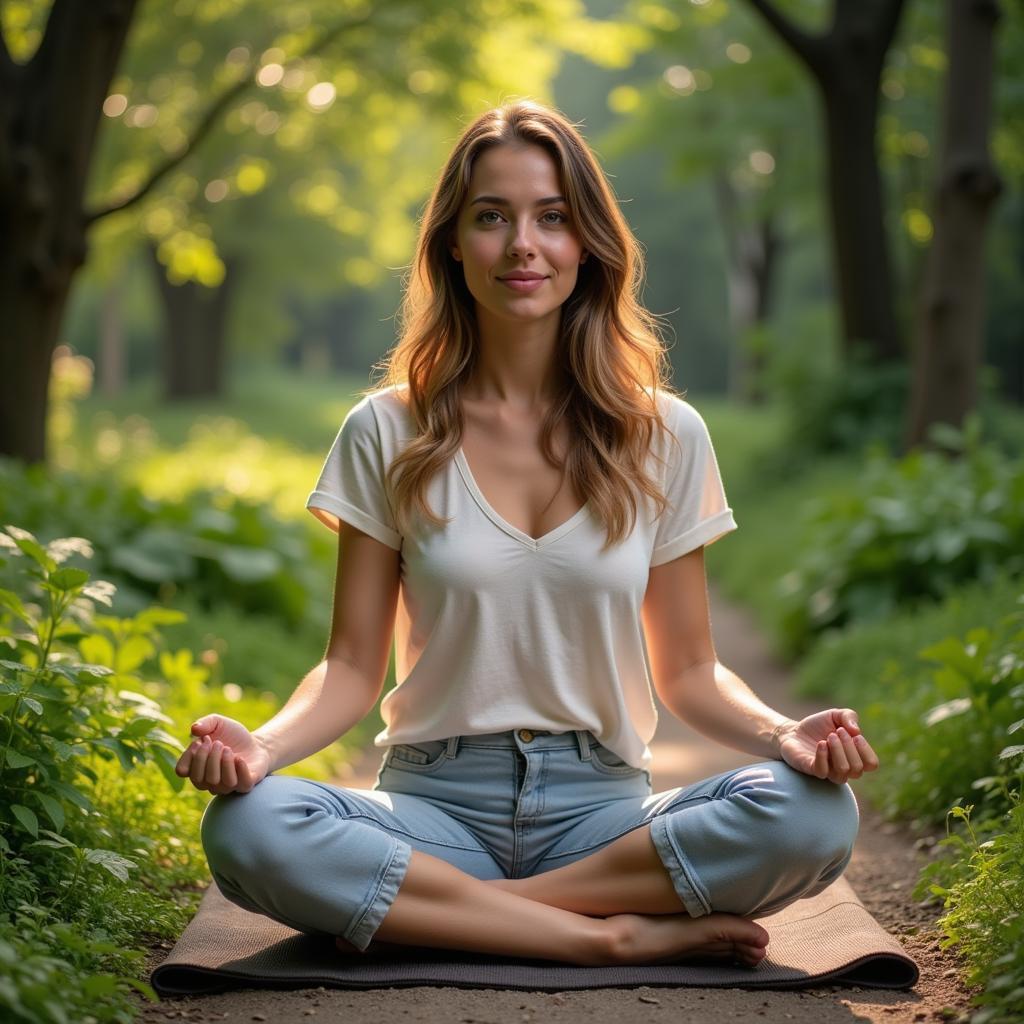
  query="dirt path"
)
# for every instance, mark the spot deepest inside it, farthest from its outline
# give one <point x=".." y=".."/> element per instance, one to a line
<point x="883" y="871"/>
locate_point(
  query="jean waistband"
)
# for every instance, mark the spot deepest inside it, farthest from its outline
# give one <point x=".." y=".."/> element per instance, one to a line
<point x="528" y="739"/>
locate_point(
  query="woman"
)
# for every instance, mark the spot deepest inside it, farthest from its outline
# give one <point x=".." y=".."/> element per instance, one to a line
<point x="532" y="502"/>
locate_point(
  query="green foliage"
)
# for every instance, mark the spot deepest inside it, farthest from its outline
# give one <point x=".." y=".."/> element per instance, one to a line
<point x="912" y="530"/>
<point x="94" y="857"/>
<point x="221" y="548"/>
<point x="947" y="721"/>
<point x="942" y="731"/>
<point x="838" y="408"/>
<point x="47" y="972"/>
<point x="981" y="883"/>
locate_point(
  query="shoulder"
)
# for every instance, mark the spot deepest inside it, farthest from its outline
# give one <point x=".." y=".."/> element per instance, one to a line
<point x="681" y="418"/>
<point x="377" y="410"/>
<point x="380" y="421"/>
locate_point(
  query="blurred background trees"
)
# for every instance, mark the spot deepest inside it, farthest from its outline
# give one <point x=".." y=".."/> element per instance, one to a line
<point x="221" y="183"/>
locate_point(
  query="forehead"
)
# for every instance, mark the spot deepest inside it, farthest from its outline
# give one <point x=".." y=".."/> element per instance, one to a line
<point x="518" y="173"/>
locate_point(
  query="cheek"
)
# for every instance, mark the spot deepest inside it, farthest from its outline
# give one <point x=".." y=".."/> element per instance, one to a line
<point x="481" y="250"/>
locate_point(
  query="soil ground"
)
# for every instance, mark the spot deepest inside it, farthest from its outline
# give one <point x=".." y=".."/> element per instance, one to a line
<point x="885" y="865"/>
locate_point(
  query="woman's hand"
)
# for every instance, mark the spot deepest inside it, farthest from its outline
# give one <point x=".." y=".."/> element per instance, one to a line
<point x="224" y="757"/>
<point x="829" y="745"/>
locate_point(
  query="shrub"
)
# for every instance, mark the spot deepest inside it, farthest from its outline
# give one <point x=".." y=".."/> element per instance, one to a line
<point x="221" y="548"/>
<point x="94" y="858"/>
<point x="980" y="880"/>
<point x="943" y="734"/>
<point x="912" y="531"/>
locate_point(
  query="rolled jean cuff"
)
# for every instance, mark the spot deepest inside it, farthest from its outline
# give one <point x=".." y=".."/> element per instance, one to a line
<point x="361" y="932"/>
<point x="688" y="888"/>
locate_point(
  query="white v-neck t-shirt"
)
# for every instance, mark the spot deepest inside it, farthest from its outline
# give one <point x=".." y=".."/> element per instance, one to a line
<point x="496" y="630"/>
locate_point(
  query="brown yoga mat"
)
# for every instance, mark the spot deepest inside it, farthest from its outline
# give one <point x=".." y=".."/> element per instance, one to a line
<point x="829" y="937"/>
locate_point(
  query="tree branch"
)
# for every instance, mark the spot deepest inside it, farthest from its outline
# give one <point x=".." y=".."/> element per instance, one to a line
<point x="209" y="119"/>
<point x="794" y="37"/>
<point x="888" y="19"/>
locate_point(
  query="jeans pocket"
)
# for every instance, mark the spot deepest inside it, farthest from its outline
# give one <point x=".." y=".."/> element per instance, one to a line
<point x="609" y="763"/>
<point x="417" y="757"/>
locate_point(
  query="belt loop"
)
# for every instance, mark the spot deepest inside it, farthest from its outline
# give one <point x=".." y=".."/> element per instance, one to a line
<point x="584" y="744"/>
<point x="453" y="746"/>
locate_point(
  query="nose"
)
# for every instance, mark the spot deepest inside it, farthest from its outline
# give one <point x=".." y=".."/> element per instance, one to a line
<point x="521" y="241"/>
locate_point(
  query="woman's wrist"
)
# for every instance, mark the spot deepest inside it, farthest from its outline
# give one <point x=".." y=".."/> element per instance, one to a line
<point x="777" y="734"/>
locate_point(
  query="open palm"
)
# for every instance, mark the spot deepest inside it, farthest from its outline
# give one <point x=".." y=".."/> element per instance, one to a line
<point x="828" y="745"/>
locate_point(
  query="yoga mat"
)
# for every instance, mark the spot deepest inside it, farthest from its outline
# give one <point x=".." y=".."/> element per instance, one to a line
<point x="830" y="938"/>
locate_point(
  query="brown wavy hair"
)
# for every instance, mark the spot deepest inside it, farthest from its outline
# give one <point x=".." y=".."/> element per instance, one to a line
<point x="611" y="355"/>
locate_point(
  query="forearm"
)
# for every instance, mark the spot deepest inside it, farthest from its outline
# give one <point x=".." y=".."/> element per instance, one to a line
<point x="331" y="699"/>
<point x="718" y="704"/>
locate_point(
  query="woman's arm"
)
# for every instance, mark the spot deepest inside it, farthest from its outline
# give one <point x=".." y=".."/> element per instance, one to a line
<point x="699" y="690"/>
<point x="332" y="698"/>
<point x="717" y="703"/>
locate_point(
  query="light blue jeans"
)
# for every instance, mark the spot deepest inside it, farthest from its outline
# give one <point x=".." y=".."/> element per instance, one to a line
<point x="326" y="859"/>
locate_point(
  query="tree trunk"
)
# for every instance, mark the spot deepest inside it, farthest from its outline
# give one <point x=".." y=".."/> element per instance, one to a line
<point x="49" y="115"/>
<point x="194" y="336"/>
<point x="846" y="63"/>
<point x="863" y="271"/>
<point x="34" y="310"/>
<point x="752" y="253"/>
<point x="949" y="335"/>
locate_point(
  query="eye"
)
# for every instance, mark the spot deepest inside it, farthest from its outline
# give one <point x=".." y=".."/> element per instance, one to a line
<point x="562" y="218"/>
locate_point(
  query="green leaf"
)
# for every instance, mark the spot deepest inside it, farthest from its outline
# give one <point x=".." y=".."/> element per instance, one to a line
<point x="247" y="564"/>
<point x="53" y="809"/>
<point x="950" y="709"/>
<point x="15" y="759"/>
<point x="15" y="666"/>
<point x="100" y="984"/>
<point x="1008" y="752"/>
<point x="137" y="727"/>
<point x="159" y="616"/>
<point x="32" y="704"/>
<point x="122" y="752"/>
<point x="112" y="861"/>
<point x="132" y="653"/>
<point x="27" y="543"/>
<point x="27" y="818"/>
<point x="57" y="840"/>
<point x="98" y="650"/>
<point x="68" y="578"/>
<point x="166" y="761"/>
<point x="73" y="795"/>
<point x="11" y="601"/>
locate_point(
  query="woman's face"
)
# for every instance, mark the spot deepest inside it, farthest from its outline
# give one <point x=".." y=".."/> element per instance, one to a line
<point x="512" y="230"/>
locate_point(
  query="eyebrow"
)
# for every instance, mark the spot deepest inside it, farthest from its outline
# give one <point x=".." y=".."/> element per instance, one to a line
<point x="497" y="200"/>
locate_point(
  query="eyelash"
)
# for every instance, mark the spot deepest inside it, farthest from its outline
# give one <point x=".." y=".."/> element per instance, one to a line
<point x="558" y="213"/>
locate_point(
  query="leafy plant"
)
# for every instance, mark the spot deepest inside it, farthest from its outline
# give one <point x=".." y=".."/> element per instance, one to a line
<point x="217" y="546"/>
<point x="94" y="859"/>
<point x="981" y="884"/>
<point x="913" y="530"/>
<point x="940" y="731"/>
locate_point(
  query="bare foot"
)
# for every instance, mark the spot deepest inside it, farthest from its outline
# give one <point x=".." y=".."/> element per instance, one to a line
<point x="668" y="938"/>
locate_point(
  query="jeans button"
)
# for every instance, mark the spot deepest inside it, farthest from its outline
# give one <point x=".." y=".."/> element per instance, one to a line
<point x="525" y="735"/>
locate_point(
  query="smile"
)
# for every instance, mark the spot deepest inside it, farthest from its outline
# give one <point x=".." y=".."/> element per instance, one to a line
<point x="524" y="286"/>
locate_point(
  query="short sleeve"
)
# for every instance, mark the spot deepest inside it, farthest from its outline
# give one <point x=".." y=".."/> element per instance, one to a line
<point x="351" y="483"/>
<point x="699" y="512"/>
